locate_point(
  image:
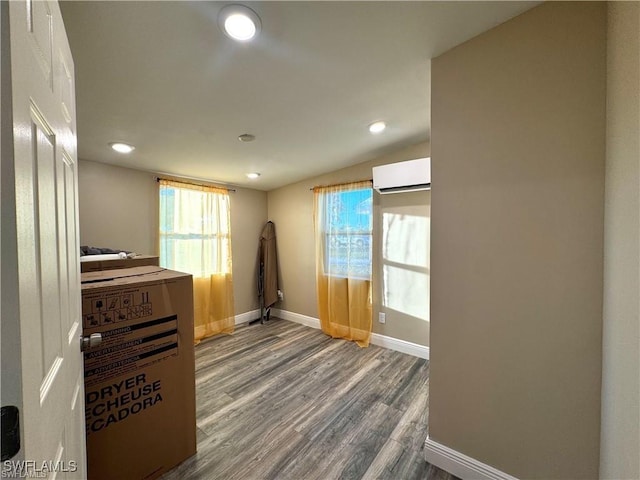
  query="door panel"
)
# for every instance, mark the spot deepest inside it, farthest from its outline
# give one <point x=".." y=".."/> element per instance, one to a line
<point x="46" y="250"/>
<point x="65" y="89"/>
<point x="72" y="246"/>
<point x="39" y="23"/>
<point x="63" y="264"/>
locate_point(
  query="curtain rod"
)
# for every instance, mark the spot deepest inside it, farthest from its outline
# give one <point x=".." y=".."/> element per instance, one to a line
<point x="370" y="180"/>
<point x="195" y="183"/>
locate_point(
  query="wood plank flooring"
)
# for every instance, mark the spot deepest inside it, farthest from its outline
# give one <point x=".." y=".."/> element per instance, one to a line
<point x="284" y="401"/>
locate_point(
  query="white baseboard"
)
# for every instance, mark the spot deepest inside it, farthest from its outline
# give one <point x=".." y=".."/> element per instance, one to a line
<point x="296" y="317"/>
<point x="246" y="317"/>
<point x="398" y="345"/>
<point x="381" y="340"/>
<point x="460" y="464"/>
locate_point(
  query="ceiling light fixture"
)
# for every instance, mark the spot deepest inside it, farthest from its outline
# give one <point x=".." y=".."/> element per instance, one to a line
<point x="239" y="22"/>
<point x="377" y="127"/>
<point x="122" y="147"/>
<point x="253" y="175"/>
<point x="246" y="137"/>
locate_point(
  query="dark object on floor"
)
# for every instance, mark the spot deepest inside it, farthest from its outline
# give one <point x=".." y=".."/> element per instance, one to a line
<point x="85" y="250"/>
<point x="267" y="272"/>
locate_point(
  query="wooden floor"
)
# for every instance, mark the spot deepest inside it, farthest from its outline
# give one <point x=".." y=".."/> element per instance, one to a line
<point x="284" y="401"/>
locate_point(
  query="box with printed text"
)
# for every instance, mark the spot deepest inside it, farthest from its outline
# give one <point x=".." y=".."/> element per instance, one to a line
<point x="140" y="380"/>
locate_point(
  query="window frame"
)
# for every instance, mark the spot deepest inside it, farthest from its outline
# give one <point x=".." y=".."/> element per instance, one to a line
<point x="348" y="236"/>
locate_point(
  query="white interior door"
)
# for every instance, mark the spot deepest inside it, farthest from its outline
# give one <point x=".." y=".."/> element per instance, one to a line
<point x="46" y="217"/>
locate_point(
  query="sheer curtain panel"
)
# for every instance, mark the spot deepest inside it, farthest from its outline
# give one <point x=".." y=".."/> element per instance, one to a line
<point x="343" y="238"/>
<point x="195" y="237"/>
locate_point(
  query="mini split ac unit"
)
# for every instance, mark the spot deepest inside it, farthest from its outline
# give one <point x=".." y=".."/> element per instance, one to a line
<point x="409" y="176"/>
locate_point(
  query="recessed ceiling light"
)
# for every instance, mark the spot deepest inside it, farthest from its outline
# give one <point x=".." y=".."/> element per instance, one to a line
<point x="122" y="147"/>
<point x="246" y="137"/>
<point x="377" y="127"/>
<point x="253" y="175"/>
<point x="239" y="22"/>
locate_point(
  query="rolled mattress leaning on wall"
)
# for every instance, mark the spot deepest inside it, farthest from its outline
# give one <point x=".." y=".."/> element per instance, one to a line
<point x="105" y="256"/>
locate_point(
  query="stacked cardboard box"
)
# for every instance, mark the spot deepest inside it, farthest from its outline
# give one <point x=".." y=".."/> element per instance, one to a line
<point x="140" y="380"/>
<point x="88" y="265"/>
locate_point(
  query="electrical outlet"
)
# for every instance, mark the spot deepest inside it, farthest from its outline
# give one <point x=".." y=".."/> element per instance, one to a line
<point x="382" y="317"/>
<point x="280" y="295"/>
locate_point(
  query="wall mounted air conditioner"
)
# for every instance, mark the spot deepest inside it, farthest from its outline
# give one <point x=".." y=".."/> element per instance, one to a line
<point x="409" y="176"/>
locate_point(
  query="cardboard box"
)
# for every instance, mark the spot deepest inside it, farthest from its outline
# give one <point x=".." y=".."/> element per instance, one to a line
<point x="140" y="381"/>
<point x="137" y="261"/>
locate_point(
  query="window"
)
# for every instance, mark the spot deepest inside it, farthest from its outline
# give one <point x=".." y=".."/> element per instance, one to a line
<point x="347" y="231"/>
<point x="194" y="229"/>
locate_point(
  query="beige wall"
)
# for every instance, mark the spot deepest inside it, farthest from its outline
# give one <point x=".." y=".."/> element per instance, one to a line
<point x="401" y="279"/>
<point x="248" y="217"/>
<point x="291" y="209"/>
<point x="620" y="440"/>
<point x="518" y="154"/>
<point x="119" y="209"/>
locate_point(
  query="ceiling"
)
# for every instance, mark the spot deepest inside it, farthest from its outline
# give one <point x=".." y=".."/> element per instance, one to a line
<point x="163" y="77"/>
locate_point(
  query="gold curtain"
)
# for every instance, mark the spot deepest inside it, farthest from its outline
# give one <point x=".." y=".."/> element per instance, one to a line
<point x="195" y="237"/>
<point x="343" y="231"/>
